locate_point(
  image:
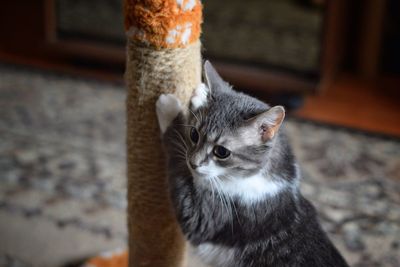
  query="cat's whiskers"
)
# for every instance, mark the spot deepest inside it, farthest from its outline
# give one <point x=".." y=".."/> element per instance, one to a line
<point x="212" y="184"/>
<point x="220" y="195"/>
<point x="194" y="115"/>
<point x="201" y="114"/>
<point x="230" y="197"/>
<point x="179" y="146"/>
<point x="231" y="178"/>
<point x="180" y="150"/>
<point x="181" y="156"/>
<point x="227" y="204"/>
<point x="187" y="125"/>
<point x="181" y="138"/>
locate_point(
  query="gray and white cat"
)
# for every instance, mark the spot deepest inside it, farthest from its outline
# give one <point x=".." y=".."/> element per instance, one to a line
<point x="234" y="181"/>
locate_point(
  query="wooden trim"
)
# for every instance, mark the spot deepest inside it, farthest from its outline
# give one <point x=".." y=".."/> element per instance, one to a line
<point x="112" y="54"/>
<point x="333" y="41"/>
<point x="50" y="23"/>
<point x="257" y="79"/>
<point x="370" y="38"/>
<point x="86" y="49"/>
<point x="62" y="67"/>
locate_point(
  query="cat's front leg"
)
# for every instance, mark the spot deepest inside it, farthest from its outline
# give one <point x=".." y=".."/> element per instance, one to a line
<point x="186" y="204"/>
<point x="168" y="107"/>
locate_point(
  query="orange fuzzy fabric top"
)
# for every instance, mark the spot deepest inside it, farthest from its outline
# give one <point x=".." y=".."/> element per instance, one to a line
<point x="163" y="23"/>
<point x="109" y="259"/>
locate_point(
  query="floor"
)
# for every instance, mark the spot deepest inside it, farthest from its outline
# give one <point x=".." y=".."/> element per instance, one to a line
<point x="351" y="102"/>
<point x="63" y="187"/>
<point x="348" y="102"/>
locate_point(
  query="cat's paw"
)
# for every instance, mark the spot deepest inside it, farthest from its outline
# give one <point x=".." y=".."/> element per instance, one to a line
<point x="168" y="107"/>
<point x="200" y="96"/>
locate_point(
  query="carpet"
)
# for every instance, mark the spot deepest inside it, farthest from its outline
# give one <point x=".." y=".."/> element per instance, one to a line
<point x="62" y="175"/>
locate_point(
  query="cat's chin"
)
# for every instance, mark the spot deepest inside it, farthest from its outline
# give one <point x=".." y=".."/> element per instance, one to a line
<point x="197" y="175"/>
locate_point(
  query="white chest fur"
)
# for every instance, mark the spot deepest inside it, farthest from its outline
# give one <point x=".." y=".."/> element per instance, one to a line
<point x="254" y="188"/>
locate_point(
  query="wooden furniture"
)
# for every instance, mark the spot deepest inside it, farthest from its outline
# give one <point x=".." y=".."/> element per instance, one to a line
<point x="28" y="35"/>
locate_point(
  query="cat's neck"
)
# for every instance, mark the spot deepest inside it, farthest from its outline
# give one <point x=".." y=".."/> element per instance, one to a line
<point x="254" y="188"/>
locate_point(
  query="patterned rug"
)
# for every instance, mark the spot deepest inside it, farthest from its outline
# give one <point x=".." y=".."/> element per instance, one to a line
<point x="62" y="175"/>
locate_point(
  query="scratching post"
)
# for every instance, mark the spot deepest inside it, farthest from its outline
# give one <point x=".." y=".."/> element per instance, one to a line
<point x="163" y="56"/>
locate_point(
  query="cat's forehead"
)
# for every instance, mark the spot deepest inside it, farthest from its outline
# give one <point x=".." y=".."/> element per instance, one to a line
<point x="238" y="139"/>
<point x="227" y="110"/>
<point x="233" y="139"/>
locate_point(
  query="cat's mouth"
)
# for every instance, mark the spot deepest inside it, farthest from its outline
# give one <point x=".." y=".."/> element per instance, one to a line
<point x="196" y="172"/>
<point x="202" y="173"/>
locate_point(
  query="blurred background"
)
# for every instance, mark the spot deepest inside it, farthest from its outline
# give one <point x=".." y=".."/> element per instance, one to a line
<point x="335" y="65"/>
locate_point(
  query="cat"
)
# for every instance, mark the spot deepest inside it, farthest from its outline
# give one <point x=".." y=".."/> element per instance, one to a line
<point x="234" y="182"/>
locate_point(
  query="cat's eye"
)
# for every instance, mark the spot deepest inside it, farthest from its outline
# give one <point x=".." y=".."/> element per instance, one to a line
<point x="194" y="135"/>
<point x="221" y="152"/>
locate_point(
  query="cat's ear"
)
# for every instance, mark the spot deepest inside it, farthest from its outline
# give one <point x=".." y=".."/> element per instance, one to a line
<point x="212" y="78"/>
<point x="200" y="97"/>
<point x="269" y="122"/>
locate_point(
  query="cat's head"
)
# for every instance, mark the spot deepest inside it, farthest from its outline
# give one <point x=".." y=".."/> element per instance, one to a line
<point x="228" y="134"/>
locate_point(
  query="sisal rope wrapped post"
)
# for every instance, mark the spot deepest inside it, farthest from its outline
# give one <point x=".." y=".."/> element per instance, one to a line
<point x="163" y="56"/>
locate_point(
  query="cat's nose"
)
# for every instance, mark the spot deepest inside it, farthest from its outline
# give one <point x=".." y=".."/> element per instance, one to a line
<point x="194" y="166"/>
